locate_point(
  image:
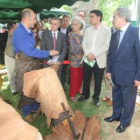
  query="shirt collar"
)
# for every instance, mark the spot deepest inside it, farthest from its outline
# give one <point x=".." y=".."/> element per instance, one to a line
<point x="124" y="28"/>
<point x="97" y="28"/>
<point x="55" y="32"/>
<point x="29" y="31"/>
<point x="63" y="28"/>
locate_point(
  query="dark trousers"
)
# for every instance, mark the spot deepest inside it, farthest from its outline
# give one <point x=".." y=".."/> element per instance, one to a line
<point x="64" y="74"/>
<point x="98" y="76"/>
<point x="124" y="98"/>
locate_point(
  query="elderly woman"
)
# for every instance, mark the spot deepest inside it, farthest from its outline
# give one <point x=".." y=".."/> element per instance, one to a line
<point x="75" y="56"/>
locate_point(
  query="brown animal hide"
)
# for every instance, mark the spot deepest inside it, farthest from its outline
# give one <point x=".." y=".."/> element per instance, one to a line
<point x="12" y="127"/>
<point x="92" y="131"/>
<point x="45" y="87"/>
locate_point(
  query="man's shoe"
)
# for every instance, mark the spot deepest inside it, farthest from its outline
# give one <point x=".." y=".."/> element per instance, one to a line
<point x="121" y="128"/>
<point x="105" y="99"/>
<point x="82" y="98"/>
<point x="14" y="93"/>
<point x="109" y="119"/>
<point x="96" y="102"/>
<point x="29" y="118"/>
<point x="109" y="103"/>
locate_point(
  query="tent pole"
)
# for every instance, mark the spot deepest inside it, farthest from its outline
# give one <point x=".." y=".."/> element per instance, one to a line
<point x="38" y="16"/>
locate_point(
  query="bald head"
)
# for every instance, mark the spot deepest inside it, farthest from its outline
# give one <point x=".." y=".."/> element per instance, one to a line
<point x="28" y="18"/>
<point x="26" y="13"/>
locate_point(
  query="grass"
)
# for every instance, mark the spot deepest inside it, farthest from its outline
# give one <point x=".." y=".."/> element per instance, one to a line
<point x="86" y="107"/>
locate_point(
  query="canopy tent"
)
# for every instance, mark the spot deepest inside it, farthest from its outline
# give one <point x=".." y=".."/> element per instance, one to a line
<point x="8" y="20"/>
<point x="51" y="13"/>
<point x="36" y="5"/>
<point x="8" y="16"/>
<point x="10" y="9"/>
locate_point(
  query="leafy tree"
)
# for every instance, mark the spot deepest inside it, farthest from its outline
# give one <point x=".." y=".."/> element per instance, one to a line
<point x="109" y="6"/>
<point x="67" y="8"/>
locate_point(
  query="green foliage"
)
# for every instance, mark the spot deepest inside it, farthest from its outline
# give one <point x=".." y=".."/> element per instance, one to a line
<point x="67" y="8"/>
<point x="109" y="6"/>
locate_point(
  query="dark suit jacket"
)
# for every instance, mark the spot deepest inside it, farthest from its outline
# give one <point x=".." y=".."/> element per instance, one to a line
<point x="69" y="29"/>
<point x="125" y="64"/>
<point x="61" y="46"/>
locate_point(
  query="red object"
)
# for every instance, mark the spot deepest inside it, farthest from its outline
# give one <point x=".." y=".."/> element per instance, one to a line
<point x="76" y="78"/>
<point x="45" y="62"/>
<point x="66" y="62"/>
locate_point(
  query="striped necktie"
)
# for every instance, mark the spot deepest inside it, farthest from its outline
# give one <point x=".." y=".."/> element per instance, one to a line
<point x="54" y="41"/>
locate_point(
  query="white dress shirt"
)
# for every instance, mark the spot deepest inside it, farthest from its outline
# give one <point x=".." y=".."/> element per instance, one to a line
<point x="63" y="30"/>
<point x="123" y="30"/>
<point x="96" y="30"/>
<point x="56" y="32"/>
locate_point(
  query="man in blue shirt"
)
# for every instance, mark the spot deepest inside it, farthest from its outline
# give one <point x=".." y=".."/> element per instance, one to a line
<point x="27" y="58"/>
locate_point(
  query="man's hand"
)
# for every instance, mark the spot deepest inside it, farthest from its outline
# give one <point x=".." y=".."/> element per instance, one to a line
<point x="108" y="75"/>
<point x="53" y="52"/>
<point x="136" y="83"/>
<point x="50" y="63"/>
<point x="90" y="57"/>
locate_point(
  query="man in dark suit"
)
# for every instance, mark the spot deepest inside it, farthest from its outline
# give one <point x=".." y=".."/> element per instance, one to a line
<point x="123" y="67"/>
<point x="66" y="29"/>
<point x="54" y="39"/>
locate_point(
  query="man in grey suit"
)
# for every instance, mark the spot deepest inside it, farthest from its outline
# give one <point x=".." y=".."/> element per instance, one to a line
<point x="54" y="39"/>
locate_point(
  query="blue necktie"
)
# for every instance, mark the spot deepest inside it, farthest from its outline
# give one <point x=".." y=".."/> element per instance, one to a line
<point x="117" y="40"/>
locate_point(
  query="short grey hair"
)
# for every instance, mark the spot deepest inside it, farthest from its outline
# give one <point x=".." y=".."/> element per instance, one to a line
<point x="124" y="12"/>
<point x="58" y="19"/>
<point x="66" y="16"/>
<point x="80" y="21"/>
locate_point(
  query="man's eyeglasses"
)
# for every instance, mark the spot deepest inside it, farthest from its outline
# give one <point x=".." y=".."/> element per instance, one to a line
<point x="81" y="16"/>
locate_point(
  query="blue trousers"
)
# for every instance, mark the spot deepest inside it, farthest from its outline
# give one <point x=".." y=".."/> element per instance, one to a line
<point x="28" y="109"/>
<point x="124" y="98"/>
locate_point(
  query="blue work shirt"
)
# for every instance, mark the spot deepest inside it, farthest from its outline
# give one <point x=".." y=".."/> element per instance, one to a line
<point x="23" y="41"/>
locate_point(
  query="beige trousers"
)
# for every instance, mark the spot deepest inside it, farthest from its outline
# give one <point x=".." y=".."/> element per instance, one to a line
<point x="10" y="66"/>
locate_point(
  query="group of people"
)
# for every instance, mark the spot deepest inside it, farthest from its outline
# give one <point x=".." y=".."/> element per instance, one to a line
<point x="86" y="51"/>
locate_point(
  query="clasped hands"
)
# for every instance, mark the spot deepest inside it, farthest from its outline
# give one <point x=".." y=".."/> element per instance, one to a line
<point x="90" y="57"/>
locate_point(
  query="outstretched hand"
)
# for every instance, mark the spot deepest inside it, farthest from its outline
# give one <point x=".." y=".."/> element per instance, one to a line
<point x="53" y="52"/>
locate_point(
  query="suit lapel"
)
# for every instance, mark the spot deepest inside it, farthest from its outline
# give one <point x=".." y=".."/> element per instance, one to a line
<point x="126" y="37"/>
<point x="58" y="39"/>
<point x="51" y="37"/>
